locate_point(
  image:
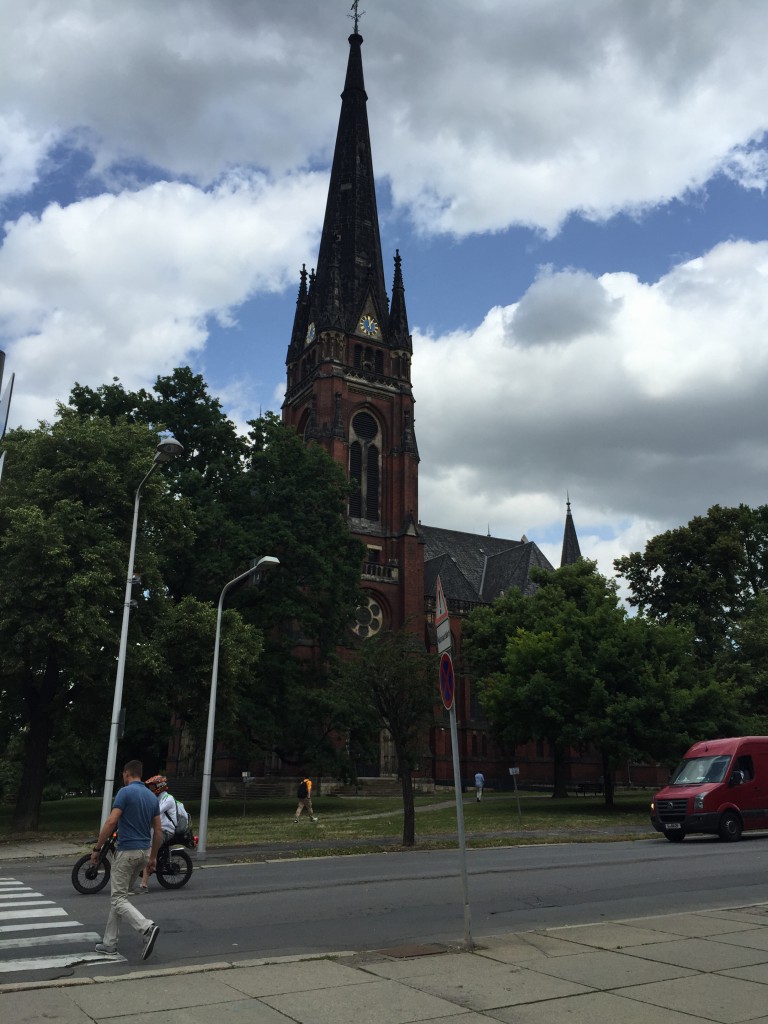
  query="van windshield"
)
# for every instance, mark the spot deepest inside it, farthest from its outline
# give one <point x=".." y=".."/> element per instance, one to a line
<point x="700" y="769"/>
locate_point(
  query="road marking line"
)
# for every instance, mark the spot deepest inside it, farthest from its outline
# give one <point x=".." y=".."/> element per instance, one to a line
<point x="17" y="896"/>
<point x="49" y="940"/>
<point x="32" y="903"/>
<point x="10" y="915"/>
<point x="37" y="926"/>
<point x="68" y="960"/>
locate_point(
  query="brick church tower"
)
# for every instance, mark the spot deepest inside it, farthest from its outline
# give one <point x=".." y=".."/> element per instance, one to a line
<point x="349" y="374"/>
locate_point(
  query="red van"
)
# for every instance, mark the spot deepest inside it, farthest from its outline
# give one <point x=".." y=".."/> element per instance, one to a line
<point x="720" y="787"/>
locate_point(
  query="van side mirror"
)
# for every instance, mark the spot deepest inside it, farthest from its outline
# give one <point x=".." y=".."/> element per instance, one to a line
<point x="737" y="777"/>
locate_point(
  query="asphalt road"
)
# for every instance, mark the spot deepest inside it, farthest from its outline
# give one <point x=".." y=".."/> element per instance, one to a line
<point x="242" y="911"/>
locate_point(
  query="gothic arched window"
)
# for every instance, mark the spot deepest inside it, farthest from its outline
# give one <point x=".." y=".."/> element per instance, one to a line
<point x="365" y="466"/>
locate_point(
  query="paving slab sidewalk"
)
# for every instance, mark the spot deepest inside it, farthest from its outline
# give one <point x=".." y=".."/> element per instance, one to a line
<point x="708" y="966"/>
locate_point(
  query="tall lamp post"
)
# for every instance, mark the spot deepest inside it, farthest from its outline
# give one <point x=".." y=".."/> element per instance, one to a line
<point x="167" y="449"/>
<point x="266" y="562"/>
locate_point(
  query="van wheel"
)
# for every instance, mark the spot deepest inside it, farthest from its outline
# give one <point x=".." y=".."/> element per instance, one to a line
<point x="677" y="836"/>
<point x="729" y="829"/>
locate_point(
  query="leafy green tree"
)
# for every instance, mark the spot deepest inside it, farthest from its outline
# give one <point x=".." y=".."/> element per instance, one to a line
<point x="707" y="574"/>
<point x="390" y="681"/>
<point x="211" y="476"/>
<point x="66" y="508"/>
<point x="65" y="518"/>
<point x="267" y="493"/>
<point x="298" y="498"/>
<point x="569" y="666"/>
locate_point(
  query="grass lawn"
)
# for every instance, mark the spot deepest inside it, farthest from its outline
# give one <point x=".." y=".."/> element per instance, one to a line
<point x="345" y="819"/>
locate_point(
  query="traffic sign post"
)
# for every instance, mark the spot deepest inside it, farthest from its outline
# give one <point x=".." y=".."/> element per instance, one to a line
<point x="448" y="693"/>
<point x="514" y="772"/>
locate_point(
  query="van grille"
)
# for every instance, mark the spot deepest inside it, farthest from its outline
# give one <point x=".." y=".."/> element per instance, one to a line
<point x="671" y="810"/>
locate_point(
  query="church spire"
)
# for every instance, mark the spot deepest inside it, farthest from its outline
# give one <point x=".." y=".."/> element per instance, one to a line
<point x="398" y="318"/>
<point x="571" y="551"/>
<point x="350" y="245"/>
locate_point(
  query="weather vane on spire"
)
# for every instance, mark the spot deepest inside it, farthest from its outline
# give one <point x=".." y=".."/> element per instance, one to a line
<point x="357" y="15"/>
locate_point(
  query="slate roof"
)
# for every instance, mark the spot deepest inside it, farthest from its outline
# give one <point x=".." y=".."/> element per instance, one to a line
<point x="475" y="568"/>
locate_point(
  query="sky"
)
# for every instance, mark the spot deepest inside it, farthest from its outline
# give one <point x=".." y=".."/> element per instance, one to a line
<point x="577" y="191"/>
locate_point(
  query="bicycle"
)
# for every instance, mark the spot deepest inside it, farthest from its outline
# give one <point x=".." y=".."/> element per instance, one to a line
<point x="173" y="870"/>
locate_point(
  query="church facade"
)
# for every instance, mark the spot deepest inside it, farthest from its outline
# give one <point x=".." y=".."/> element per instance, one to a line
<point x="349" y="390"/>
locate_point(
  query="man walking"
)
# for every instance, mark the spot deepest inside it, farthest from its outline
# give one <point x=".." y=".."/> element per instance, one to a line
<point x="136" y="815"/>
<point x="479" y="783"/>
<point x="304" y="794"/>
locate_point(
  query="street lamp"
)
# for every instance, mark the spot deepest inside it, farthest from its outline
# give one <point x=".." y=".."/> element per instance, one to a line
<point x="167" y="449"/>
<point x="266" y="562"/>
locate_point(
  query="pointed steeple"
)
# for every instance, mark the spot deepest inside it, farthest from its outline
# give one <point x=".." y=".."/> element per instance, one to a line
<point x="350" y="245"/>
<point x="300" y="320"/>
<point x="571" y="551"/>
<point x="398" y="317"/>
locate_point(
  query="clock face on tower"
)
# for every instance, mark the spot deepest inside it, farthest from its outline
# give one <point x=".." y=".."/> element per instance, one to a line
<point x="310" y="335"/>
<point x="368" y="325"/>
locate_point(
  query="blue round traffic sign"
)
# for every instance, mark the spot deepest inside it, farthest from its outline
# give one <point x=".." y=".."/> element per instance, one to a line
<point x="447" y="687"/>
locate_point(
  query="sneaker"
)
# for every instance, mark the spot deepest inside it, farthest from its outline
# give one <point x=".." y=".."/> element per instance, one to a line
<point x="314" y="819"/>
<point x="142" y="889"/>
<point x="151" y="937"/>
<point x="295" y="821"/>
<point x="101" y="948"/>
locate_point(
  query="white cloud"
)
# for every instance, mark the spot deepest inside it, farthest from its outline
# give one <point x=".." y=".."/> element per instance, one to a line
<point x="650" y="421"/>
<point x="512" y="113"/>
<point x="644" y="400"/>
<point x="124" y="285"/>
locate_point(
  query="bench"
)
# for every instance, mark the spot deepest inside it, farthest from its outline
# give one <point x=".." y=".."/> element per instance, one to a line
<point x="589" y="788"/>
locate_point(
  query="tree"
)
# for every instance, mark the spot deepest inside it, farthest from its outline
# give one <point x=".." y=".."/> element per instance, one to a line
<point x="297" y="505"/>
<point x="568" y="665"/>
<point x="390" y="680"/>
<point x="707" y="574"/>
<point x="267" y="493"/>
<point x="65" y="521"/>
<point x="211" y="476"/>
<point x="66" y="510"/>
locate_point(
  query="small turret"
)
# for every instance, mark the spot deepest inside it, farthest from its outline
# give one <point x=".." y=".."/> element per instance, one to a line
<point x="571" y="551"/>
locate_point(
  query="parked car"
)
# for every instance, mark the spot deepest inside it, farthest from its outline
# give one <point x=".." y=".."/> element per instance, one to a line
<point x="719" y="788"/>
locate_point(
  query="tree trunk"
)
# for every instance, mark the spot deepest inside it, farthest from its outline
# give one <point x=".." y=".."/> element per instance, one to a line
<point x="409" y="810"/>
<point x="608" y="786"/>
<point x="559" y="771"/>
<point x="26" y="815"/>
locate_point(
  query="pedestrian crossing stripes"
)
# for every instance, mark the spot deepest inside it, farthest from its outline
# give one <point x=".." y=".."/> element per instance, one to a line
<point x="25" y="915"/>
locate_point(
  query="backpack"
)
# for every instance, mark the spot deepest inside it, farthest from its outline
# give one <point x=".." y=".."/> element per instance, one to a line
<point x="183" y="820"/>
<point x="302" y="792"/>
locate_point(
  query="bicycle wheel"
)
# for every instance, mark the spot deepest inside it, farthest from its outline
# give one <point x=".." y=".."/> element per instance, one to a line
<point x="174" y="870"/>
<point x="88" y="878"/>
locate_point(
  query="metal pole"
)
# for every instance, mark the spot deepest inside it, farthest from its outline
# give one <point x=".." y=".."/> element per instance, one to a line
<point x="109" y="778"/>
<point x="202" y="833"/>
<point x="468" y="943"/>
<point x="167" y="449"/>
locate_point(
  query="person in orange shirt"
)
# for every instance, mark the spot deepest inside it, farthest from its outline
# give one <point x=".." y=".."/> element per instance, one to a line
<point x="304" y="794"/>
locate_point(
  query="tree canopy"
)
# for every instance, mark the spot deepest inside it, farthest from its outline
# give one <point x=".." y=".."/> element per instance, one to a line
<point x="708" y="574"/>
<point x="66" y="509"/>
<point x="569" y="666"/>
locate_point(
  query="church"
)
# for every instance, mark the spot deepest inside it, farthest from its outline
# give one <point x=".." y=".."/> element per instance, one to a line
<point x="349" y="390"/>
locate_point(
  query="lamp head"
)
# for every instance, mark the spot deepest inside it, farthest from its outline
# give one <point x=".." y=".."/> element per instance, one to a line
<point x="168" y="449"/>
<point x="259" y="567"/>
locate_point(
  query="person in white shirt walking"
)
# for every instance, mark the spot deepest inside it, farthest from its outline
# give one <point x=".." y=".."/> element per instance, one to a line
<point x="479" y="783"/>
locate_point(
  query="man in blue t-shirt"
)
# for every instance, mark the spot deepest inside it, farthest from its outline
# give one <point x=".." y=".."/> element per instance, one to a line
<point x="136" y="816"/>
